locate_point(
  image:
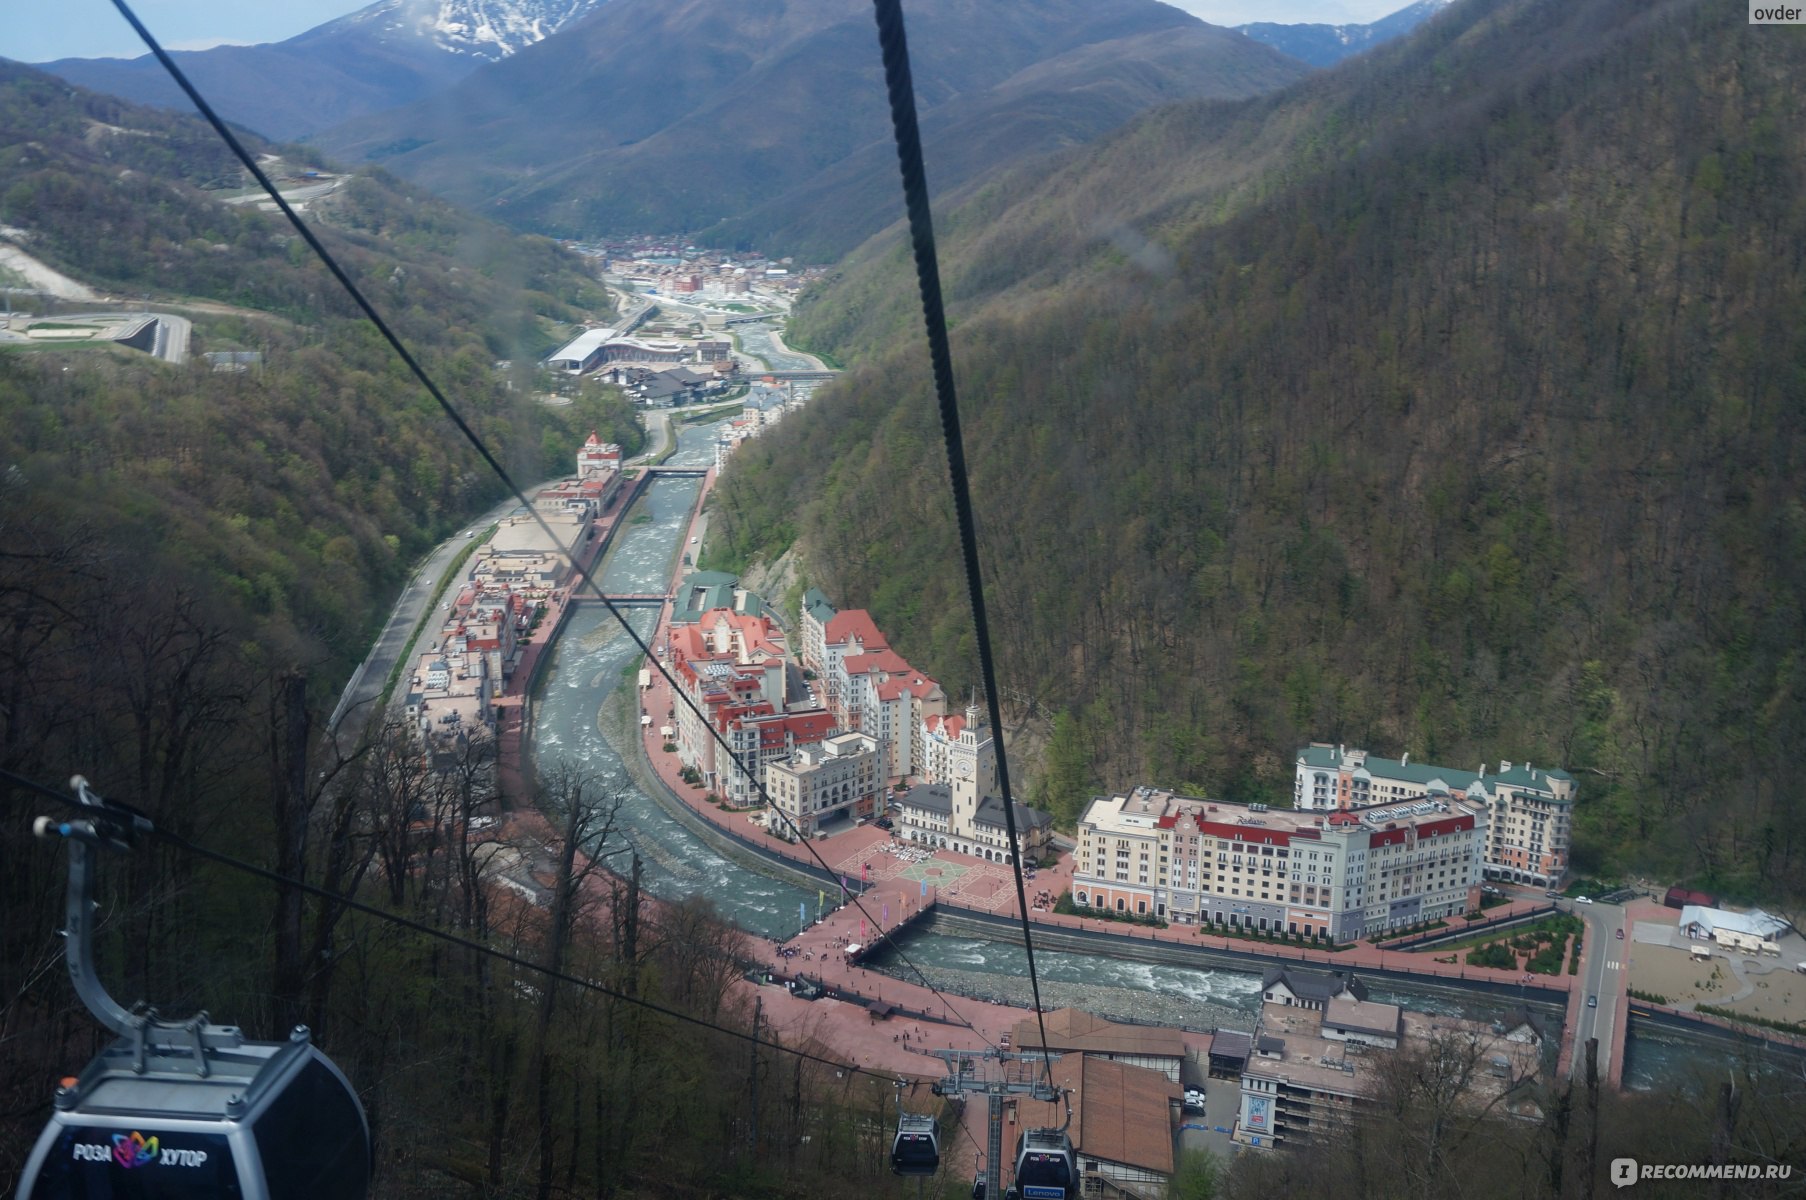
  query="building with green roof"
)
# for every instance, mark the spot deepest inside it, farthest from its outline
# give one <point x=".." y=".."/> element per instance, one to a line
<point x="1530" y="809"/>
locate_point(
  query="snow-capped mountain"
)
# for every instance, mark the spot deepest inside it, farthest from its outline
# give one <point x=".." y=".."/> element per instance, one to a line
<point x="485" y="29"/>
<point x="388" y="54"/>
<point x="1327" y="45"/>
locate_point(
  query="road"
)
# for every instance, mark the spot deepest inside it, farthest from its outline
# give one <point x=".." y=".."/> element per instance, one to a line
<point x="297" y="197"/>
<point x="172" y="338"/>
<point x="366" y="686"/>
<point x="1602" y="970"/>
<point x="173" y="332"/>
<point x="658" y="429"/>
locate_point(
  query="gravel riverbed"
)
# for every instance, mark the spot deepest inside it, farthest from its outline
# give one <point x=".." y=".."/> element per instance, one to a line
<point x="1112" y="1003"/>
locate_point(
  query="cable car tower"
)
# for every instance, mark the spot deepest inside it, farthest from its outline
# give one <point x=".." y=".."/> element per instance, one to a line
<point x="995" y="1074"/>
<point x="186" y="1110"/>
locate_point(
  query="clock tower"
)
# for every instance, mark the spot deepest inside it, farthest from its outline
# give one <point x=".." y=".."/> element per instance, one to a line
<point x="972" y="757"/>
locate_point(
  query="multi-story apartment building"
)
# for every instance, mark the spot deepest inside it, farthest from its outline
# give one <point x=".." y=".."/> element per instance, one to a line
<point x="1309" y="1067"/>
<point x="866" y="685"/>
<point x="882" y="695"/>
<point x="1345" y="874"/>
<point x="1530" y="810"/>
<point x="812" y="630"/>
<point x="840" y="775"/>
<point x="731" y="665"/>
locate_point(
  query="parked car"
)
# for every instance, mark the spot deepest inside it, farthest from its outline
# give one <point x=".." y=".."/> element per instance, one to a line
<point x="1194" y="1100"/>
<point x="883" y="822"/>
<point x="1553" y="895"/>
<point x="1592" y="1002"/>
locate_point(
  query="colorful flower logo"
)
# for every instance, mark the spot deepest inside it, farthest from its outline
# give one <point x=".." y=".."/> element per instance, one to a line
<point x="134" y="1151"/>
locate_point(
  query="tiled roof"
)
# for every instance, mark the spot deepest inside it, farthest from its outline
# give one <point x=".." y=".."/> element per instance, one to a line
<point x="1313" y="985"/>
<point x="1072" y="1029"/>
<point x="990" y="812"/>
<point x="1120" y="1114"/>
<point x="928" y="797"/>
<point x="1362" y="1016"/>
<point x="854" y="622"/>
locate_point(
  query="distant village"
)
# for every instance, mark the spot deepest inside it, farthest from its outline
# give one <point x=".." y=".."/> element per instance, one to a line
<point x="456" y="683"/>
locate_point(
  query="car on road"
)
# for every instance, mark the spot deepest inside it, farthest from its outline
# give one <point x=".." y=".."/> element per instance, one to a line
<point x="1619" y="933"/>
<point x="1583" y="899"/>
<point x="1592" y="1002"/>
<point x="1553" y="895"/>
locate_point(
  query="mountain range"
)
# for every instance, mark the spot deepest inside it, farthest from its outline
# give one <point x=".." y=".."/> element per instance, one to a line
<point x="1327" y="45"/>
<point x="683" y="115"/>
<point x="388" y="54"/>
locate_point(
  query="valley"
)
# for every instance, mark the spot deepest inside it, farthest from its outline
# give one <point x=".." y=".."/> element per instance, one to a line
<point x="1383" y="437"/>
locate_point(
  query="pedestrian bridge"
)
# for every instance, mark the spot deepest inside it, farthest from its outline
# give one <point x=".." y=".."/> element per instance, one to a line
<point x="629" y="599"/>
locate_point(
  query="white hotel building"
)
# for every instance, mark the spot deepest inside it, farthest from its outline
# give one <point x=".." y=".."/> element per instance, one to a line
<point x="1346" y="874"/>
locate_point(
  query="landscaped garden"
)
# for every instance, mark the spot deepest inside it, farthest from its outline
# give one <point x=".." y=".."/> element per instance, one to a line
<point x="1542" y="948"/>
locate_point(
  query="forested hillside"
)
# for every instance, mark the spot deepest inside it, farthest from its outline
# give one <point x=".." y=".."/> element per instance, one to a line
<point x="1447" y="402"/>
<point x="299" y="492"/>
<point x="191" y="562"/>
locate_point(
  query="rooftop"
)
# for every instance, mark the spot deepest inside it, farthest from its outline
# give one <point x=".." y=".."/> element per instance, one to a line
<point x="1120" y="1113"/>
<point x="1072" y="1029"/>
<point x="1290" y="1046"/>
<point x="1363" y="1016"/>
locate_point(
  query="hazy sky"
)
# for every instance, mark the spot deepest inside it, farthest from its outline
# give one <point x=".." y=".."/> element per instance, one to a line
<point x="41" y="30"/>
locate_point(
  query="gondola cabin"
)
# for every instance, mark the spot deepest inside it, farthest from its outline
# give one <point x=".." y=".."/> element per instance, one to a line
<point x="1044" y="1167"/>
<point x="209" y="1117"/>
<point x="916" y="1150"/>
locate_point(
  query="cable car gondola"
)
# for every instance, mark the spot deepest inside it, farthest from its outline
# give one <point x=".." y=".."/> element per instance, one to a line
<point x="916" y="1150"/>
<point x="1044" y="1165"/>
<point x="187" y="1110"/>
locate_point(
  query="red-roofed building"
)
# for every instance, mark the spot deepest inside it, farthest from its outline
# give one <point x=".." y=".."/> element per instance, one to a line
<point x="849" y="633"/>
<point x="1344" y="874"/>
<point x="870" y="688"/>
<point x="598" y="459"/>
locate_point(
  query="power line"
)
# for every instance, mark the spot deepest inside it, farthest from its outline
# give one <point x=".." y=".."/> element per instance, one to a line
<point x="470" y="435"/>
<point x="895" y="46"/>
<point x="138" y="823"/>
